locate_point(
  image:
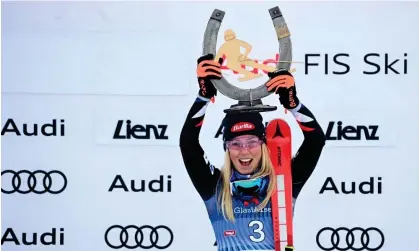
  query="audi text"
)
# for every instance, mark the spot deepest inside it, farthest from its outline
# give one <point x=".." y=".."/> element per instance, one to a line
<point x="22" y="238"/>
<point x="373" y="186"/>
<point x="50" y="129"/>
<point x="163" y="184"/>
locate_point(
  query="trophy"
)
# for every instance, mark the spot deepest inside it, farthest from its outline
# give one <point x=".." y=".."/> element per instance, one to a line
<point x="249" y="100"/>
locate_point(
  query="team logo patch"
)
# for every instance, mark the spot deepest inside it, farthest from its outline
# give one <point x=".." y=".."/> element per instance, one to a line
<point x="242" y="126"/>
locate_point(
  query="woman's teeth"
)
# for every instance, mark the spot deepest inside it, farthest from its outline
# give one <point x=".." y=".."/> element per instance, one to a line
<point x="245" y="162"/>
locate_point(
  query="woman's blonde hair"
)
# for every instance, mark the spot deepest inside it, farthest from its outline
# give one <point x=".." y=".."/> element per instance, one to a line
<point x="225" y="200"/>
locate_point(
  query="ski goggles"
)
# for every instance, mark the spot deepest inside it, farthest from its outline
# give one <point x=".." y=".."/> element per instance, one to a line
<point x="247" y="187"/>
<point x="239" y="145"/>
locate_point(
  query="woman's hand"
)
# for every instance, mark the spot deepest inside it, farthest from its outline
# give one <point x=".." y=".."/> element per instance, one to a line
<point x="282" y="83"/>
<point x="208" y="69"/>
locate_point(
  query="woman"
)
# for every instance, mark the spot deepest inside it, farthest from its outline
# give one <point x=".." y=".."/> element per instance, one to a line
<point x="237" y="197"/>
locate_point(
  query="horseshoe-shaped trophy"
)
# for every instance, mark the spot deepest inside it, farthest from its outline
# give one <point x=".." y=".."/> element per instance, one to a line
<point x="249" y="100"/>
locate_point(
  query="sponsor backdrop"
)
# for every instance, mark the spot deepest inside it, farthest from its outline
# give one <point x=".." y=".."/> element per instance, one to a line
<point x="94" y="96"/>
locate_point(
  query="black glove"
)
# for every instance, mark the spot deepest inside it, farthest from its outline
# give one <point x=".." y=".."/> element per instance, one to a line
<point x="282" y="83"/>
<point x="208" y="69"/>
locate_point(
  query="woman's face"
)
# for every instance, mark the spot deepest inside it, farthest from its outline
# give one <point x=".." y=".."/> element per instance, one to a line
<point x="245" y="153"/>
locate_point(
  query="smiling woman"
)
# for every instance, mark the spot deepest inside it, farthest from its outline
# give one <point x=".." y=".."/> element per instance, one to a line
<point x="238" y="196"/>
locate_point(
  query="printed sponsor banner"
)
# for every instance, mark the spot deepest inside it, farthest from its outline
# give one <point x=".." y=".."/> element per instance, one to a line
<point x="126" y="131"/>
<point x="143" y="122"/>
<point x="344" y="128"/>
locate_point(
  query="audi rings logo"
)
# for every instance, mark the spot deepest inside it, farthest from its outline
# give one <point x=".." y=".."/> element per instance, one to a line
<point x="53" y="182"/>
<point x="356" y="239"/>
<point x="145" y="237"/>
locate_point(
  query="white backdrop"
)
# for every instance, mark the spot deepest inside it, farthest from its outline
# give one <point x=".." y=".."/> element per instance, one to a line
<point x="93" y="64"/>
